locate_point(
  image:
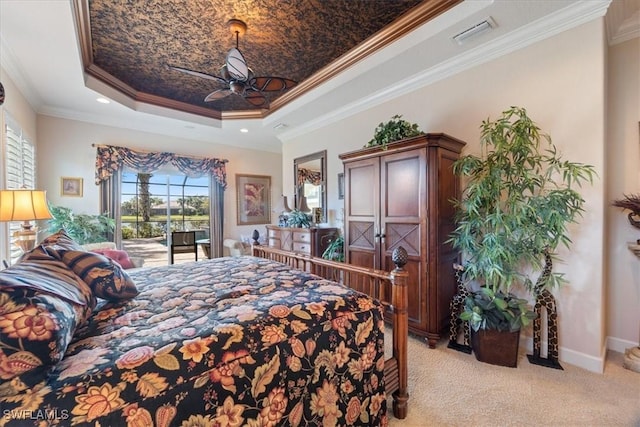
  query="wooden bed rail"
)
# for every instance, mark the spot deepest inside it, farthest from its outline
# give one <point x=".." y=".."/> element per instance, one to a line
<point x="395" y="369"/>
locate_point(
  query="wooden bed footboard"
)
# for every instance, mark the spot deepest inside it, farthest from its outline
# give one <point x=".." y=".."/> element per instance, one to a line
<point x="395" y="368"/>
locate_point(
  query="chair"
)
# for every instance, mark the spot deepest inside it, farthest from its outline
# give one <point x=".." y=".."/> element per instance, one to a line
<point x="183" y="242"/>
<point x="236" y="247"/>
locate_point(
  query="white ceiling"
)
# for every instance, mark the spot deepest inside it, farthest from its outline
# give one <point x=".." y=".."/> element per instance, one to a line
<point x="40" y="52"/>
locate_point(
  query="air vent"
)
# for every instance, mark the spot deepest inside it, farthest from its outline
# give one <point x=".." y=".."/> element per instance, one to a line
<point x="480" y="28"/>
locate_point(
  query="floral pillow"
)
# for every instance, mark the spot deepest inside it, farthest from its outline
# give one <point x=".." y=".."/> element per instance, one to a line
<point x="42" y="303"/>
<point x="105" y="277"/>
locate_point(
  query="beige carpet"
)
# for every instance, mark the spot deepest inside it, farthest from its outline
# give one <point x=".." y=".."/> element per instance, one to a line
<point x="449" y="388"/>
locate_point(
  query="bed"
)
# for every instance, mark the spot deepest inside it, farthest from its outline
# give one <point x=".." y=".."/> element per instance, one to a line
<point x="228" y="341"/>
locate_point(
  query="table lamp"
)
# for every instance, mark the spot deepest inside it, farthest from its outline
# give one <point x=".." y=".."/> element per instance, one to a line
<point x="304" y="207"/>
<point x="24" y="205"/>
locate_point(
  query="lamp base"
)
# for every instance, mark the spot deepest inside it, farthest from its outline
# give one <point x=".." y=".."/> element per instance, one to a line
<point x="25" y="238"/>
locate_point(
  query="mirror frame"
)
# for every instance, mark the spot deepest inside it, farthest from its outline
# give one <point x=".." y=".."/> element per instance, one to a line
<point x="322" y="156"/>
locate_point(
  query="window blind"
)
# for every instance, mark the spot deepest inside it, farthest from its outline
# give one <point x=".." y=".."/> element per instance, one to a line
<point x="20" y="166"/>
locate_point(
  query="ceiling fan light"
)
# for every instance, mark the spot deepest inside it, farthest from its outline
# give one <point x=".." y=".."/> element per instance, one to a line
<point x="236" y="87"/>
<point x="236" y="65"/>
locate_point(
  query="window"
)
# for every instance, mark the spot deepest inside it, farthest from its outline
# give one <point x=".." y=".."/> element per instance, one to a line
<point x="20" y="163"/>
<point x="174" y="202"/>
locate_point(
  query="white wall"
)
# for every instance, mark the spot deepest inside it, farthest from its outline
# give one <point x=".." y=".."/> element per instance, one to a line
<point x="622" y="151"/>
<point x="560" y="81"/>
<point x="65" y="150"/>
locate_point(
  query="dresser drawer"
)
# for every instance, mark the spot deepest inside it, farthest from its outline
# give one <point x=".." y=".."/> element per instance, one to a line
<point x="303" y="248"/>
<point x="302" y="236"/>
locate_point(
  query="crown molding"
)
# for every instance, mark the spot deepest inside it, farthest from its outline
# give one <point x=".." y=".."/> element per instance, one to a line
<point x="15" y="72"/>
<point x="570" y="17"/>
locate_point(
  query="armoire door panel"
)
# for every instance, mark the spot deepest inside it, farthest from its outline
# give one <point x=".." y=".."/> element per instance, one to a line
<point x="403" y="186"/>
<point x="406" y="235"/>
<point x="360" y="258"/>
<point x="363" y="193"/>
<point x="361" y="235"/>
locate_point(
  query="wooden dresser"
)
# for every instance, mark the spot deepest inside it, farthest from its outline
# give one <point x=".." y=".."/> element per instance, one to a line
<point x="311" y="241"/>
<point x="401" y="196"/>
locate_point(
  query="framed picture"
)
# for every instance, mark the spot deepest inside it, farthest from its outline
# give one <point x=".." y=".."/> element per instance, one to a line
<point x="254" y="199"/>
<point x="71" y="187"/>
<point x="340" y="186"/>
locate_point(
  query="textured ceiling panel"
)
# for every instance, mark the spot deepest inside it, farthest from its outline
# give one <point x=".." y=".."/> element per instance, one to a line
<point x="133" y="42"/>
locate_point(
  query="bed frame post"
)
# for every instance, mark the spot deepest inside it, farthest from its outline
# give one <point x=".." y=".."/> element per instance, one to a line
<point x="400" y="302"/>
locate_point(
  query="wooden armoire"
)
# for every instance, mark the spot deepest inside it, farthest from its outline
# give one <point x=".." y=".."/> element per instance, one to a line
<point x="401" y="196"/>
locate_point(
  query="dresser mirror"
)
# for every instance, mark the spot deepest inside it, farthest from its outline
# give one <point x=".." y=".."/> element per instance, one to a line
<point x="310" y="174"/>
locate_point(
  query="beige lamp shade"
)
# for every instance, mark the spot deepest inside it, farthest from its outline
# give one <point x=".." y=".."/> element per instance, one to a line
<point x="24" y="205"/>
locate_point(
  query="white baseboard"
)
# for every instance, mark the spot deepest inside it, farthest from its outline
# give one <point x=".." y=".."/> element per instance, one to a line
<point x="620" y="345"/>
<point x="572" y="357"/>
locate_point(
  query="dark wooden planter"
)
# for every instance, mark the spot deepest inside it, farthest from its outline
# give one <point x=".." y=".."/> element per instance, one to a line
<point x="496" y="347"/>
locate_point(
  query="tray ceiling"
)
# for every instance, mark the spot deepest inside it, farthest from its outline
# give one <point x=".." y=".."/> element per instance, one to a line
<point x="130" y="45"/>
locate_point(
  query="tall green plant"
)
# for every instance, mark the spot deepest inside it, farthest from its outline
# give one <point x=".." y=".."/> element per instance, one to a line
<point x="83" y="228"/>
<point x="519" y="198"/>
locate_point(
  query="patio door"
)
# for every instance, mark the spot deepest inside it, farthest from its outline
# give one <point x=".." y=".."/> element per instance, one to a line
<point x="154" y="205"/>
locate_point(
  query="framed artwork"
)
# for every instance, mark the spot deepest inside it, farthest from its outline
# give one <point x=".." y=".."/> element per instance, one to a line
<point x="71" y="187"/>
<point x="253" y="193"/>
<point x="340" y="186"/>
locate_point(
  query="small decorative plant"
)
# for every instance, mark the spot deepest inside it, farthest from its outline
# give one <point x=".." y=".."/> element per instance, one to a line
<point x="519" y="198"/>
<point x="393" y="130"/>
<point x="83" y="228"/>
<point x="631" y="203"/>
<point x="335" y="250"/>
<point x="298" y="219"/>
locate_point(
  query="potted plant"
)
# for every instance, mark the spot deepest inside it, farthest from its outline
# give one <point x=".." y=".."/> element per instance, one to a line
<point x="394" y="130"/>
<point x="83" y="228"/>
<point x="632" y="203"/>
<point x="513" y="214"/>
<point x="298" y="219"/>
<point x="335" y="249"/>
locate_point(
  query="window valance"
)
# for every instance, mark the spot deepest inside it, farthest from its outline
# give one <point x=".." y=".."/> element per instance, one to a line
<point x="310" y="176"/>
<point x="110" y="158"/>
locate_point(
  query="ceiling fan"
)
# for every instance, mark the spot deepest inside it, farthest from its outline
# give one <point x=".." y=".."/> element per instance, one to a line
<point x="238" y="77"/>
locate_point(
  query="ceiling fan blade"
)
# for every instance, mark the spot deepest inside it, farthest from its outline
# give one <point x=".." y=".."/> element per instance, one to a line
<point x="218" y="94"/>
<point x="255" y="98"/>
<point x="237" y="65"/>
<point x="272" y="84"/>
<point x="199" y="74"/>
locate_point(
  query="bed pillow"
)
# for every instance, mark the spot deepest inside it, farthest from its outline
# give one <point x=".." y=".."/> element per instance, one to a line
<point x="61" y="239"/>
<point x="117" y="255"/>
<point x="105" y="277"/>
<point x="42" y="303"/>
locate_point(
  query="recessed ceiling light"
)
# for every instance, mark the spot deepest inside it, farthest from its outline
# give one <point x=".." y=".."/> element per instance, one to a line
<point x="244" y="130"/>
<point x="103" y="100"/>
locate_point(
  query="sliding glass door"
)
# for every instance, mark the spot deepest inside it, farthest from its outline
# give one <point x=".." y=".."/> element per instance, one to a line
<point x="154" y="205"/>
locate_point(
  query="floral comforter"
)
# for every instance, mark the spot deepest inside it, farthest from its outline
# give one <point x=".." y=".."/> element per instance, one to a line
<point x="223" y="342"/>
